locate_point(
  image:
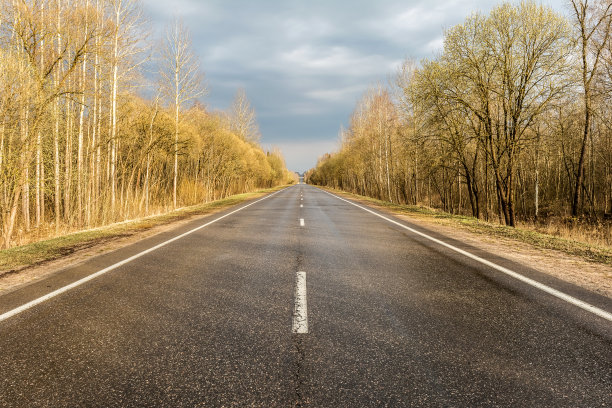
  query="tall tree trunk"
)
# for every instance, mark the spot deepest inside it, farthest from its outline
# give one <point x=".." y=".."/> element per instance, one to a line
<point x="510" y="212"/>
<point x="81" y="125"/>
<point x="176" y="134"/>
<point x="576" y="199"/>
<point x="537" y="177"/>
<point x="96" y="137"/>
<point x="113" y="129"/>
<point x="68" y="161"/>
<point x="9" y="224"/>
<point x="26" y="171"/>
<point x="39" y="180"/>
<point x="56" y="167"/>
<point x="387" y="149"/>
<point x="56" y="155"/>
<point x="148" y="171"/>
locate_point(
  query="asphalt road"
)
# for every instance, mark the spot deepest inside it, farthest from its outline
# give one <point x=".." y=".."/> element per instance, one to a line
<point x="386" y="318"/>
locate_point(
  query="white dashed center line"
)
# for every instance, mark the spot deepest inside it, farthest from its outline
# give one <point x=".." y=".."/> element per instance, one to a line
<point x="301" y="222"/>
<point x="300" y="315"/>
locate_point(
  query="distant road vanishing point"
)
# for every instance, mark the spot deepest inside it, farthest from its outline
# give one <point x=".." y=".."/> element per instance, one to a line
<point x="303" y="298"/>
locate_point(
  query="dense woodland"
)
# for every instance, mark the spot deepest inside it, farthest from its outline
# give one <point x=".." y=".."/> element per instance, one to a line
<point x="79" y="144"/>
<point x="512" y="121"/>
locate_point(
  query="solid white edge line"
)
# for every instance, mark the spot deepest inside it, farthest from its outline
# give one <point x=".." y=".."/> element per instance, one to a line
<point x="554" y="292"/>
<point x="94" y="275"/>
<point x="300" y="310"/>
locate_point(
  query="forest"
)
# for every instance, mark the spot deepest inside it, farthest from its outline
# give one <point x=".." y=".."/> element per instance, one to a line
<point x="100" y="122"/>
<point x="510" y="122"/>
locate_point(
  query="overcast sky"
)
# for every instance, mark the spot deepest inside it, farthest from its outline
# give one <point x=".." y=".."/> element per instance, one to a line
<point x="304" y="64"/>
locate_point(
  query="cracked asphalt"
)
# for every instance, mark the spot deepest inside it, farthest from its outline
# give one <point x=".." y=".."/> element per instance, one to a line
<point x="394" y="320"/>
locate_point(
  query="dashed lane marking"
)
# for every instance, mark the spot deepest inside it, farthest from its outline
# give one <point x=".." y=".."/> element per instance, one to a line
<point x="300" y="310"/>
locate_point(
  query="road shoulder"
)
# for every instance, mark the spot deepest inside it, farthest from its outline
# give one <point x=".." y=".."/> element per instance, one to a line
<point x="592" y="276"/>
<point x="111" y="238"/>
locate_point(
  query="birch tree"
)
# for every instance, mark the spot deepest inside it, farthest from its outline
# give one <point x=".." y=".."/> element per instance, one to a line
<point x="243" y="120"/>
<point x="126" y="46"/>
<point x="181" y="81"/>
<point x="68" y="70"/>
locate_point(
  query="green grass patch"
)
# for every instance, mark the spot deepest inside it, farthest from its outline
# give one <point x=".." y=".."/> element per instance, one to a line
<point x="590" y="252"/>
<point x="21" y="257"/>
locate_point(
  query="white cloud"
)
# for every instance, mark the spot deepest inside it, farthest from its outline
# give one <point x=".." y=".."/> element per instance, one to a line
<point x="337" y="94"/>
<point x="179" y="8"/>
<point x="417" y="22"/>
<point x="307" y="28"/>
<point x="336" y="60"/>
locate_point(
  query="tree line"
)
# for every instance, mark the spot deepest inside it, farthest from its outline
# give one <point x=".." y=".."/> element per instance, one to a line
<point x="80" y="146"/>
<point x="510" y="121"/>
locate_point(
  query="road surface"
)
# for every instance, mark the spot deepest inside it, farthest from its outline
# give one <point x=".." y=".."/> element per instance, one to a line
<point x="302" y="299"/>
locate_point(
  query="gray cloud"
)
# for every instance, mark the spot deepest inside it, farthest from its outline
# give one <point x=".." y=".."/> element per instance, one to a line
<point x="304" y="64"/>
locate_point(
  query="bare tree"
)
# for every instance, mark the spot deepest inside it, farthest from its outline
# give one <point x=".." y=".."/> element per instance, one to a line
<point x="127" y="36"/>
<point x="507" y="69"/>
<point x="243" y="121"/>
<point x="492" y="123"/>
<point x="593" y="22"/>
<point x="27" y="30"/>
<point x="181" y="80"/>
<point x="67" y="66"/>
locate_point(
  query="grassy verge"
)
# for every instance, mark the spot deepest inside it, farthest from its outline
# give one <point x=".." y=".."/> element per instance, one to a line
<point x="590" y="252"/>
<point x="19" y="258"/>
